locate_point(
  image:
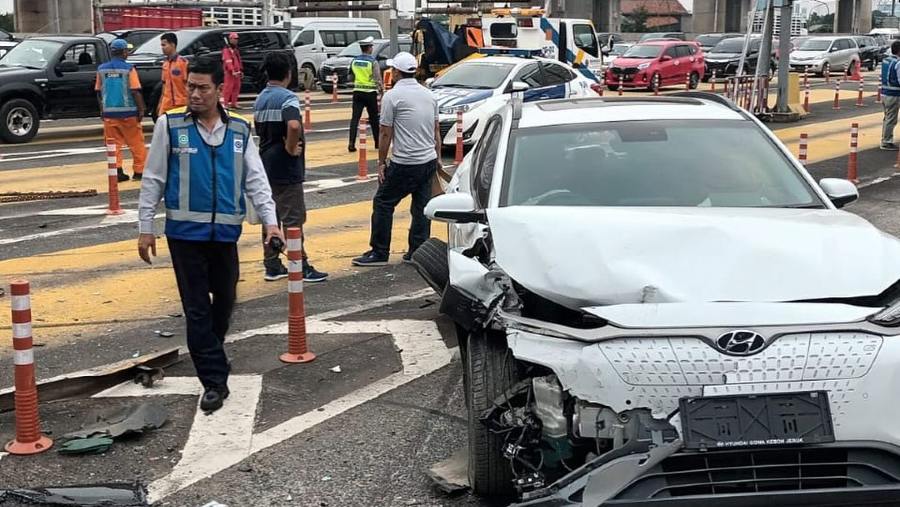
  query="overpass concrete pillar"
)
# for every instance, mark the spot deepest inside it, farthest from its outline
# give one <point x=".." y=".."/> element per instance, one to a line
<point x="853" y="16"/>
<point x="721" y="15"/>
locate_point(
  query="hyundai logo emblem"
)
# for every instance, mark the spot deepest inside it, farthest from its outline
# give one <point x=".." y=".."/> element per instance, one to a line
<point x="740" y="343"/>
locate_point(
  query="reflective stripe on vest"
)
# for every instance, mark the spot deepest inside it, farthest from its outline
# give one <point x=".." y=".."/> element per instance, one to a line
<point x="187" y="149"/>
<point x="363" y="74"/>
<point x="115" y="91"/>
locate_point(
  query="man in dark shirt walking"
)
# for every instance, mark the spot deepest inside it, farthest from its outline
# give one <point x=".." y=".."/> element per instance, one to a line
<point x="283" y="151"/>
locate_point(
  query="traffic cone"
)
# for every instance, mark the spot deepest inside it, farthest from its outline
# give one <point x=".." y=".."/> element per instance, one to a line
<point x="852" y="174"/>
<point x="857" y="75"/>
<point x="298" y="351"/>
<point x="804" y="143"/>
<point x="363" y="170"/>
<point x="806" y="98"/>
<point x="457" y="159"/>
<point x="712" y="82"/>
<point x="334" y="85"/>
<point x="837" y="96"/>
<point x="112" y="173"/>
<point x="29" y="439"/>
<point x="859" y="98"/>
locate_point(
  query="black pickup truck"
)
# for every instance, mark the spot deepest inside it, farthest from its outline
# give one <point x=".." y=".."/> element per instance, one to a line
<point x="253" y="43"/>
<point x="48" y="78"/>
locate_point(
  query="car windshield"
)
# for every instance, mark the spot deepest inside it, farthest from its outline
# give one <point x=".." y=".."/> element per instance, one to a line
<point x="708" y="40"/>
<point x="618" y="49"/>
<point x="653" y="163"/>
<point x="31" y="53"/>
<point x="154" y="45"/>
<point x="481" y="75"/>
<point x="729" y="46"/>
<point x="643" y="51"/>
<point x="815" y="45"/>
<point x="351" y="50"/>
<point x="106" y="36"/>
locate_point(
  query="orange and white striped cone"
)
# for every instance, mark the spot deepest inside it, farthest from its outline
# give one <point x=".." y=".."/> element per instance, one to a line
<point x="802" y="152"/>
<point x="712" y="82"/>
<point x="837" y="96"/>
<point x="29" y="439"/>
<point x="687" y="81"/>
<point x="826" y="69"/>
<point x="112" y="173"/>
<point x="363" y="170"/>
<point x="457" y="159"/>
<point x="621" y="91"/>
<point x="878" y="95"/>
<point x="298" y="350"/>
<point x="602" y="84"/>
<point x="862" y="89"/>
<point x="852" y="173"/>
<point x="334" y="83"/>
<point x="307" y="112"/>
<point x="806" y="97"/>
<point x="805" y="76"/>
<point x="656" y="90"/>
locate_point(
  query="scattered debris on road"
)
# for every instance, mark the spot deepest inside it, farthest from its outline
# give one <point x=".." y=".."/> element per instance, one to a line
<point x="336" y="369"/>
<point x="451" y="475"/>
<point x="125" y="421"/>
<point x="44" y="196"/>
<point x="106" y="495"/>
<point x="147" y="376"/>
<point x="94" y="445"/>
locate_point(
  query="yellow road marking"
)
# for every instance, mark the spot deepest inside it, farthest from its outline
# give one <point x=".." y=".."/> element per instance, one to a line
<point x="91" y="287"/>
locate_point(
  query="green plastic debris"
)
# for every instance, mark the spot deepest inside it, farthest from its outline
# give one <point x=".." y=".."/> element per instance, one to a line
<point x="93" y="445"/>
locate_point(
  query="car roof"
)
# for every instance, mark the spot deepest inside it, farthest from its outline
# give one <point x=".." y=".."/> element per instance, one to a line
<point x="664" y="42"/>
<point x="66" y="38"/>
<point x="613" y="109"/>
<point x="515" y="60"/>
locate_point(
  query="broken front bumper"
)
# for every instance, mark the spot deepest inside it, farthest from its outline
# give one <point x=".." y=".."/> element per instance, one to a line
<point x="626" y="369"/>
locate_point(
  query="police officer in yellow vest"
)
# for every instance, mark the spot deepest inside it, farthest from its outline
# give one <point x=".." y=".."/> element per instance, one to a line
<point x="366" y="87"/>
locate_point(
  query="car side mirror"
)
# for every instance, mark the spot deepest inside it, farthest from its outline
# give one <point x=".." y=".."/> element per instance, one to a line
<point x="455" y="208"/>
<point x="665" y="58"/>
<point x="66" y="66"/>
<point x="841" y="192"/>
<point x="517" y="86"/>
<point x="202" y="50"/>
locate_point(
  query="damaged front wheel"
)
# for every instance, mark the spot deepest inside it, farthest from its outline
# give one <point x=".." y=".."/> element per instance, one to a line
<point x="491" y="371"/>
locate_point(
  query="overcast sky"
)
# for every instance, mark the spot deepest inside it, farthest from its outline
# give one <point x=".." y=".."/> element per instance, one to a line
<point x="6" y="6"/>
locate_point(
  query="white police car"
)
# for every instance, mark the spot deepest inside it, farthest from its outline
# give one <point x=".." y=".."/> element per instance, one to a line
<point x="480" y="86"/>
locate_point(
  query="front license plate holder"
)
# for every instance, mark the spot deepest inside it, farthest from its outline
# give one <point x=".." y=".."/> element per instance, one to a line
<point x="756" y="420"/>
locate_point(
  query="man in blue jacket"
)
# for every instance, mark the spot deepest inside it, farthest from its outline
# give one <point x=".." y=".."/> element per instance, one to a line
<point x="204" y="165"/>
<point x="890" y="88"/>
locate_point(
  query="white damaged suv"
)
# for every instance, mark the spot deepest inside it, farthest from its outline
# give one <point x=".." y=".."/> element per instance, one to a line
<point x="657" y="305"/>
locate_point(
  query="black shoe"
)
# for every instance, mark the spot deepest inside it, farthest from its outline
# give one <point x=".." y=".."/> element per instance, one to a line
<point x="370" y="258"/>
<point x="276" y="273"/>
<point x="312" y="275"/>
<point x="121" y="176"/>
<point x="890" y="147"/>
<point x="351" y="149"/>
<point x="407" y="258"/>
<point x="213" y="398"/>
<point x="137" y="176"/>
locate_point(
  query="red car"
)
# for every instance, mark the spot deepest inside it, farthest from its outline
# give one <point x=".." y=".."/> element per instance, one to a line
<point x="657" y="63"/>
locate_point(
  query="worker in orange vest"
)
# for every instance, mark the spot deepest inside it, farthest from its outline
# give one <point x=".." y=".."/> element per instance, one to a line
<point x="174" y="75"/>
<point x="234" y="71"/>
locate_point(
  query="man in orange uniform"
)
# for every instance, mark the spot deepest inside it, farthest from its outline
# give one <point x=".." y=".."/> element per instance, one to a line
<point x="234" y="71"/>
<point x="174" y="75"/>
<point x="122" y="106"/>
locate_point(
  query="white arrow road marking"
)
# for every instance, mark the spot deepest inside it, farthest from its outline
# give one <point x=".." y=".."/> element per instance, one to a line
<point x="226" y="438"/>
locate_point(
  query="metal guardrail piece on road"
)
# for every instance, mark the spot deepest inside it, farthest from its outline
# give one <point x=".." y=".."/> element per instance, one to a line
<point x="45" y="196"/>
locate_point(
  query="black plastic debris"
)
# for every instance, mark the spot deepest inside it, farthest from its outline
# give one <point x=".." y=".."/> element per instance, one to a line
<point x="106" y="495"/>
<point x="122" y="422"/>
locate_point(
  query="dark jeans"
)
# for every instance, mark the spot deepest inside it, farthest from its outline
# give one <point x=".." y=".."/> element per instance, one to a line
<point x="369" y="101"/>
<point x="290" y="208"/>
<point x="207" y="274"/>
<point x="400" y="181"/>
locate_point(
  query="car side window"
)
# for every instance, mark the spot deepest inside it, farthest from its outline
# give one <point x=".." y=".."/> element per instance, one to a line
<point x="671" y="52"/>
<point x="555" y="74"/>
<point x="682" y="51"/>
<point x="336" y="38"/>
<point x="585" y="39"/>
<point x="362" y="34"/>
<point x="85" y="55"/>
<point x="210" y="42"/>
<point x="531" y="75"/>
<point x="307" y="37"/>
<point x="484" y="162"/>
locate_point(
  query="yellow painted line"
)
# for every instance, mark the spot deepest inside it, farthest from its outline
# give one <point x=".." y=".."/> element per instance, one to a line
<point x="831" y="139"/>
<point x="90" y="287"/>
<point x="93" y="175"/>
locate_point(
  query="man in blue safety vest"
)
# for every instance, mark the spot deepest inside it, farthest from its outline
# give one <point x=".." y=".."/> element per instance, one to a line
<point x="366" y="87"/>
<point x="890" y="88"/>
<point x="204" y="164"/>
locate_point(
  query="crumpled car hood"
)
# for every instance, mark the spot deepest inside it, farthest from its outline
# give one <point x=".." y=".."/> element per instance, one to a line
<point x="583" y="256"/>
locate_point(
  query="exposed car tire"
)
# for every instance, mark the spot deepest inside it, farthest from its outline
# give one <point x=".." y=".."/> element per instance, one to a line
<point x="612" y="88"/>
<point x="430" y="260"/>
<point x="655" y="83"/>
<point x="492" y="371"/>
<point x="694" y="80"/>
<point x="19" y="121"/>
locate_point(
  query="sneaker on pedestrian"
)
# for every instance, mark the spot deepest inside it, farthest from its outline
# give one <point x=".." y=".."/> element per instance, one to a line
<point x="120" y="175"/>
<point x="371" y="258"/>
<point x="213" y="398"/>
<point x="137" y="176"/>
<point x="312" y="275"/>
<point x="276" y="273"/>
<point x="351" y="149"/>
<point x="407" y="258"/>
<point x="890" y="147"/>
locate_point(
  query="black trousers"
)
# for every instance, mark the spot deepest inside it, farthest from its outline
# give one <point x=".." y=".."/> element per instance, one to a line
<point x="400" y="181"/>
<point x="369" y="102"/>
<point x="207" y="274"/>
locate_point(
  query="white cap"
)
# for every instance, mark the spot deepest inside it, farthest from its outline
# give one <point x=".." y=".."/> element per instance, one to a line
<point x="368" y="41"/>
<point x="404" y="62"/>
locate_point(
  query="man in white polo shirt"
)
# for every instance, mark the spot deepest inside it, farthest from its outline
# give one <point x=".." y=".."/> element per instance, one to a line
<point x="409" y="122"/>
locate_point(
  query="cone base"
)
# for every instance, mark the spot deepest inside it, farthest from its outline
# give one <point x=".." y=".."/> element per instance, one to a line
<point x="18" y="448"/>
<point x="115" y="212"/>
<point x="297" y="358"/>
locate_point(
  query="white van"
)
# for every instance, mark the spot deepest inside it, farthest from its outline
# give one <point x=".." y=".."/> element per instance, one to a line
<point x="317" y="39"/>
